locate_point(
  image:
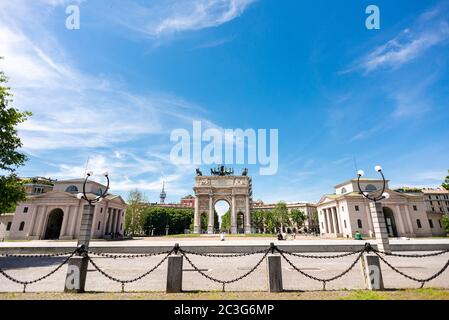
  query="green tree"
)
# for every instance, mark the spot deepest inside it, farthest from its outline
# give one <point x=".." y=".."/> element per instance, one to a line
<point x="446" y="182"/>
<point x="178" y="219"/>
<point x="133" y="219"/>
<point x="298" y="217"/>
<point x="226" y="222"/>
<point x="11" y="189"/>
<point x="280" y="215"/>
<point x="445" y="222"/>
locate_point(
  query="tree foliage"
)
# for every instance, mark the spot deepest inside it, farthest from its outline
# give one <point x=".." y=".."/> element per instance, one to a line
<point x="298" y="217"/>
<point x="446" y="182"/>
<point x="11" y="189"/>
<point x="445" y="222"/>
<point x="177" y="219"/>
<point x="133" y="219"/>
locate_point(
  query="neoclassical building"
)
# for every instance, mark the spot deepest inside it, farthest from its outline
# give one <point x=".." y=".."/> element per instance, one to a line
<point x="55" y="212"/>
<point x="406" y="214"/>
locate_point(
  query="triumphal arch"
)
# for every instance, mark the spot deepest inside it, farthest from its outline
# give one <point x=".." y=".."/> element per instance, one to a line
<point x="222" y="184"/>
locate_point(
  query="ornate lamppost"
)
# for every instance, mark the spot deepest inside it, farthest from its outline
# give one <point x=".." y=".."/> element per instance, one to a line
<point x="377" y="215"/>
<point x="77" y="265"/>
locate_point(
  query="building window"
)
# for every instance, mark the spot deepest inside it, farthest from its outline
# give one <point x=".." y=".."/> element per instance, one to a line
<point x="25" y="210"/>
<point x="415" y="208"/>
<point x="322" y="226"/>
<point x="71" y="189"/>
<point x="343" y="191"/>
<point x="357" y="208"/>
<point x="418" y="223"/>
<point x="101" y="210"/>
<point x="8" y="226"/>
<point x="433" y="209"/>
<point x="359" y="223"/>
<point x="99" y="225"/>
<point x="121" y="226"/>
<point x="431" y="223"/>
<point x="344" y="221"/>
<point x="22" y="226"/>
<point x="342" y="208"/>
<point x="370" y="188"/>
<point x="439" y="222"/>
<point x="431" y="203"/>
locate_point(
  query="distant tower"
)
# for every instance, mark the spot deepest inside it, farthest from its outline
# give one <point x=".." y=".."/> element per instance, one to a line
<point x="163" y="195"/>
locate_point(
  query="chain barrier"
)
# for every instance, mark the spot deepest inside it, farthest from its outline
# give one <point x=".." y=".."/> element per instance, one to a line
<point x="26" y="283"/>
<point x="123" y="282"/>
<point x="422" y="281"/>
<point x="49" y="255"/>
<point x="126" y="256"/>
<point x="322" y="280"/>
<point x="225" y="255"/>
<point x="177" y="250"/>
<point x="224" y="282"/>
<point x="426" y="255"/>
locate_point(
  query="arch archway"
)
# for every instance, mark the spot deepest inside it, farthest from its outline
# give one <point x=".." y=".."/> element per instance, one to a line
<point x="390" y="222"/>
<point x="222" y="208"/>
<point x="54" y="224"/>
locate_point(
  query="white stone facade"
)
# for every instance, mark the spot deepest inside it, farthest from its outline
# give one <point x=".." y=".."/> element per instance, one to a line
<point x="57" y="214"/>
<point x="345" y="212"/>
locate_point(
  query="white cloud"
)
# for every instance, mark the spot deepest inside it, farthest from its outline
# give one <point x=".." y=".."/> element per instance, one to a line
<point x="161" y="18"/>
<point x="404" y="48"/>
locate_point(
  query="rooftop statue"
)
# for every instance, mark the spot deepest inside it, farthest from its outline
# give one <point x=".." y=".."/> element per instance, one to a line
<point x="245" y="172"/>
<point x="222" y="171"/>
<point x="198" y="172"/>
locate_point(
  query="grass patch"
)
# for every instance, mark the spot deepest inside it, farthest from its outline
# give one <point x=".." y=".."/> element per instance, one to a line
<point x="407" y="294"/>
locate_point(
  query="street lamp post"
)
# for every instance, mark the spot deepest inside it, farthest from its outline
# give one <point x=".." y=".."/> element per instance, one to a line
<point x="77" y="265"/>
<point x="377" y="215"/>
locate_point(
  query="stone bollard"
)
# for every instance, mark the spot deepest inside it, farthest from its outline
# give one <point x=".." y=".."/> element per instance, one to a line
<point x="274" y="267"/>
<point x="76" y="274"/>
<point x="174" y="274"/>
<point x="372" y="273"/>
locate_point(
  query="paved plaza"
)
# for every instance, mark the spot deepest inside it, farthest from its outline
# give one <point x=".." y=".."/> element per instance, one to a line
<point x="221" y="268"/>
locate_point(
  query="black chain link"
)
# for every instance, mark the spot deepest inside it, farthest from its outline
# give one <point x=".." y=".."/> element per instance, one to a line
<point x="225" y="255"/>
<point x="49" y="255"/>
<point x="299" y="255"/>
<point x="426" y="255"/>
<point x="324" y="281"/>
<point x="127" y="256"/>
<point x="123" y="282"/>
<point x="422" y="281"/>
<point x="224" y="282"/>
<point x="26" y="283"/>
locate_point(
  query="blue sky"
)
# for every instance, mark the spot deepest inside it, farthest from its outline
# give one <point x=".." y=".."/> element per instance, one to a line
<point x="115" y="89"/>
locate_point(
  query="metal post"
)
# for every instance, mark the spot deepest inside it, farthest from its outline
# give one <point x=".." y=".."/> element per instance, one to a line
<point x="77" y="265"/>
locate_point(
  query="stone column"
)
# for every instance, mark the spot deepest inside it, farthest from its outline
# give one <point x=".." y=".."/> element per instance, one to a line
<point x="326" y="225"/>
<point x="65" y="220"/>
<point x="33" y="220"/>
<point x="210" y="226"/>
<point x="196" y="217"/>
<point x="380" y="228"/>
<point x="370" y="221"/>
<point x="233" y="216"/>
<point x="119" y="218"/>
<point x="42" y="223"/>
<point x="336" y="225"/>
<point x="331" y="221"/>
<point x="247" y="217"/>
<point x="105" y="219"/>
<point x="401" y="224"/>
<point x="75" y="220"/>
<point x="409" y="220"/>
